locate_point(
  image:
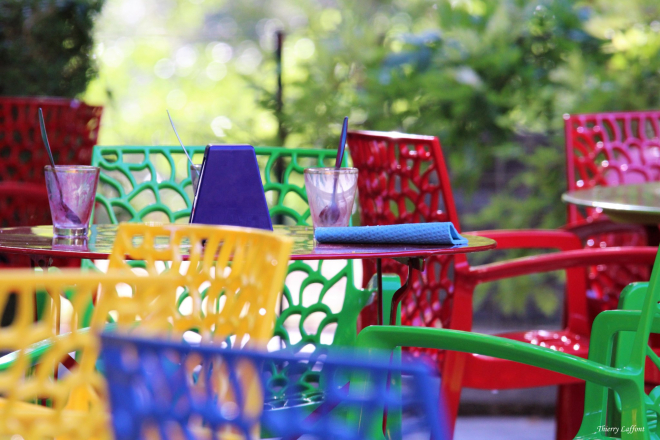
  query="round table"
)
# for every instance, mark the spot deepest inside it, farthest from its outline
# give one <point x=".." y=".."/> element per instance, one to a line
<point x="639" y="203"/>
<point x="632" y="204"/>
<point x="39" y="243"/>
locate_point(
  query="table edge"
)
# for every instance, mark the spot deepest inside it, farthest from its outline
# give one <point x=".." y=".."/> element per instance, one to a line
<point x="566" y="197"/>
<point x="414" y="253"/>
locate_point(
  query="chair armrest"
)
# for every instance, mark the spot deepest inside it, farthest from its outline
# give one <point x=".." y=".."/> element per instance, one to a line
<point x="532" y="239"/>
<point x="605" y="226"/>
<point x="561" y="260"/>
<point x="389" y="337"/>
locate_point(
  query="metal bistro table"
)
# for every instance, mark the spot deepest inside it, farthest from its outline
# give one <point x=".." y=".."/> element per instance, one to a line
<point x="636" y="204"/>
<point x="38" y="243"/>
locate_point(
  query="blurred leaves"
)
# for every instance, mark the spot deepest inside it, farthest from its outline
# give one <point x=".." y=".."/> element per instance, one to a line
<point x="46" y="46"/>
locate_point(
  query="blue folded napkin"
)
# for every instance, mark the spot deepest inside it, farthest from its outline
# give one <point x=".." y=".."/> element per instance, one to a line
<point x="416" y="233"/>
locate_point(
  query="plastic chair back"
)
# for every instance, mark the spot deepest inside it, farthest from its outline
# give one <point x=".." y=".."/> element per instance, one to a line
<point x="171" y="390"/>
<point x="231" y="280"/>
<point x="403" y="179"/>
<point x="153" y="184"/>
<point x="22" y="204"/>
<point x="610" y="149"/>
<point x="320" y="303"/>
<point x="232" y="306"/>
<point x="48" y="380"/>
<point x="72" y="130"/>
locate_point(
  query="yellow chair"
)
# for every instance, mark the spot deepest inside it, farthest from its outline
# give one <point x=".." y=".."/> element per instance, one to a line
<point x="237" y="300"/>
<point x="50" y="369"/>
<point x="231" y="281"/>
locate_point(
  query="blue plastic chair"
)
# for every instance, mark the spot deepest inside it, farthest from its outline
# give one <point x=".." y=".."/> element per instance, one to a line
<point x="181" y="391"/>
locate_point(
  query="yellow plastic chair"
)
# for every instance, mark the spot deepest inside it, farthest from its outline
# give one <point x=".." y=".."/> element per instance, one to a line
<point x="237" y="300"/>
<point x="231" y="281"/>
<point x="40" y="399"/>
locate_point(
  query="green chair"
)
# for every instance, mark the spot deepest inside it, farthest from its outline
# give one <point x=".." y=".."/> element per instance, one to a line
<point x="142" y="184"/>
<point x="616" y="404"/>
<point x="152" y="184"/>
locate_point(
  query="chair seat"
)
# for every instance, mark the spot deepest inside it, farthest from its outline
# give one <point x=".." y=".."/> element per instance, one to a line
<point x="485" y="372"/>
<point x="480" y="370"/>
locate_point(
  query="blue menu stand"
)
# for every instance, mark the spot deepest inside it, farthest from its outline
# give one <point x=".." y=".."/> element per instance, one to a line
<point x="230" y="190"/>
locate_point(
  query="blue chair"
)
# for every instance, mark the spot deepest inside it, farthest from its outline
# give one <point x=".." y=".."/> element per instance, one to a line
<point x="177" y="390"/>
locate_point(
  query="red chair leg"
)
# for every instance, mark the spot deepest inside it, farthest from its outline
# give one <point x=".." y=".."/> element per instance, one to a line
<point x="570" y="408"/>
<point x="451" y="385"/>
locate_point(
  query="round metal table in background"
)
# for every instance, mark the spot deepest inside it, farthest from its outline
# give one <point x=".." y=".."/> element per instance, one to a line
<point x="633" y="204"/>
<point x="639" y="204"/>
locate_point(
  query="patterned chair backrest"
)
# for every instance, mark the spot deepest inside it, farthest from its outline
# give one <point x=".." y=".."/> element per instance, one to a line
<point x="403" y="179"/>
<point x="40" y="399"/>
<point x="22" y="204"/>
<point x="152" y="184"/>
<point x="72" y="131"/>
<point x="231" y="281"/>
<point x="320" y="301"/>
<point x="143" y="374"/>
<point x="610" y="149"/>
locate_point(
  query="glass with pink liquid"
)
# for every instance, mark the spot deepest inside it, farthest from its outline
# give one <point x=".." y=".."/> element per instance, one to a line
<point x="323" y="185"/>
<point x="71" y="191"/>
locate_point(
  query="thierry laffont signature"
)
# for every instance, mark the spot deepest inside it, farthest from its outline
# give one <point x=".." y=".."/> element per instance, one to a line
<point x="620" y="429"/>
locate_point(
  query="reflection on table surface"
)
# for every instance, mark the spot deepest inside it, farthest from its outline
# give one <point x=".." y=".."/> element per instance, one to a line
<point x="39" y="240"/>
<point x="643" y="198"/>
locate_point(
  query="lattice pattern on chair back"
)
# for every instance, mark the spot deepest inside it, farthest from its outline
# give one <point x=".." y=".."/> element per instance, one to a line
<point x="320" y="303"/>
<point x="127" y="173"/>
<point x="144" y="375"/>
<point x="139" y="184"/>
<point x="63" y="395"/>
<point x="232" y="278"/>
<point x="611" y="149"/>
<point x="72" y="131"/>
<point x="403" y="179"/>
<point x="310" y="316"/>
<point x="22" y="204"/>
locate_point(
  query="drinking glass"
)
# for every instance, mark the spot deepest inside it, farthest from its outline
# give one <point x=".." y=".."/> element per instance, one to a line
<point x="320" y="183"/>
<point x="71" y="191"/>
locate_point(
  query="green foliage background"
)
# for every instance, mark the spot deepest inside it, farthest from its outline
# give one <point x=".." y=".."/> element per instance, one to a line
<point x="491" y="78"/>
<point x="46" y="46"/>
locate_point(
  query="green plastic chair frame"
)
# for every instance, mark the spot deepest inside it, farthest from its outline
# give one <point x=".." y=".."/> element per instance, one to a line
<point x="616" y="404"/>
<point x="152" y="183"/>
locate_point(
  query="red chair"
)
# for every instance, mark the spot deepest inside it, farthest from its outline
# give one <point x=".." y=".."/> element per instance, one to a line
<point x="610" y="149"/>
<point x="72" y="131"/>
<point x="403" y="179"/>
<point x="72" y="126"/>
<point x="22" y="204"/>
